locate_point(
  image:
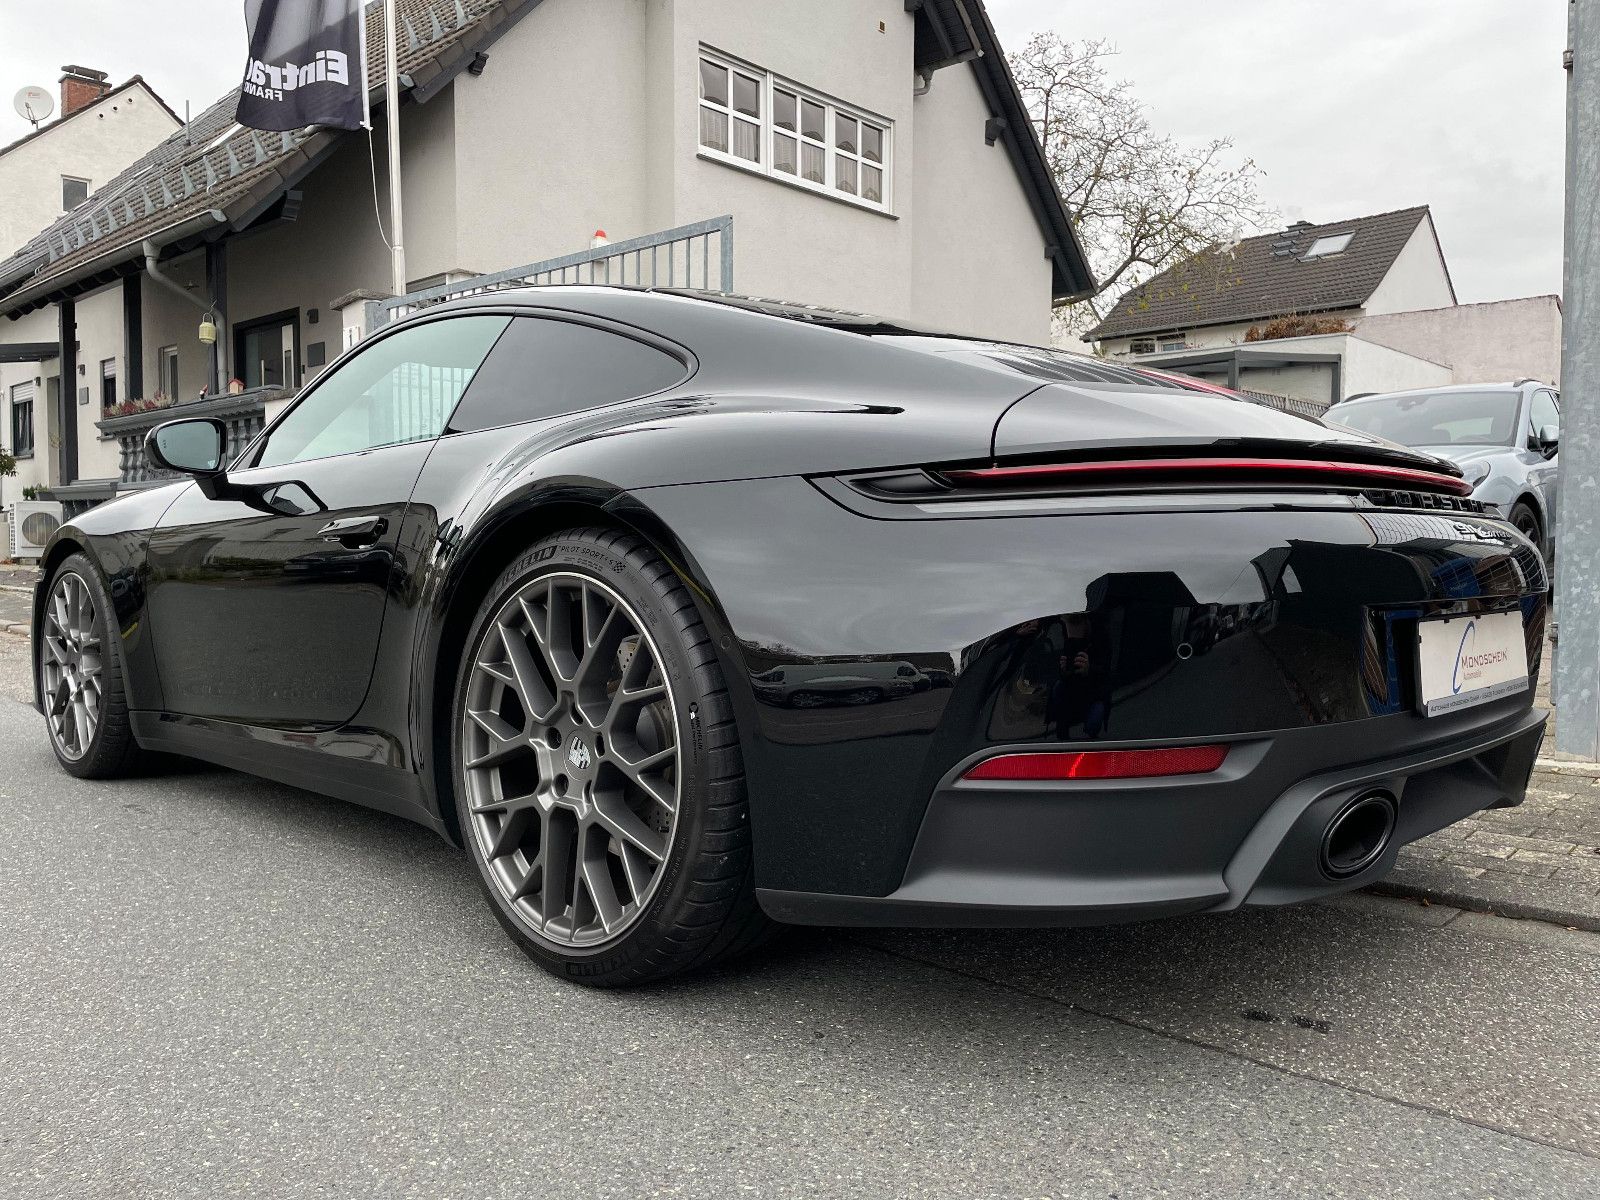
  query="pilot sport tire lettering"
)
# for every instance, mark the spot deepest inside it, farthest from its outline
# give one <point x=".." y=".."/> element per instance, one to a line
<point x="599" y="786"/>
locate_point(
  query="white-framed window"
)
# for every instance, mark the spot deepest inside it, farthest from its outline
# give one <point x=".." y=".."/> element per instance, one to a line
<point x="764" y="122"/>
<point x="1142" y="346"/>
<point x="169" y="371"/>
<point x="22" y="420"/>
<point x="74" y="191"/>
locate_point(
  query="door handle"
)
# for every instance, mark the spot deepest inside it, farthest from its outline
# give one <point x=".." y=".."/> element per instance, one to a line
<point x="354" y="532"/>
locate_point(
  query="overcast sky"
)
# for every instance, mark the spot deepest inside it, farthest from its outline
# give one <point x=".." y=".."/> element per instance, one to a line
<point x="1354" y="108"/>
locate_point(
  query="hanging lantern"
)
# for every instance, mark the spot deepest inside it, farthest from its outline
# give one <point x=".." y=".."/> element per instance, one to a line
<point x="208" y="330"/>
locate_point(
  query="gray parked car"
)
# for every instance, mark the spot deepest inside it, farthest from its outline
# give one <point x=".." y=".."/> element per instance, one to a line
<point x="1503" y="436"/>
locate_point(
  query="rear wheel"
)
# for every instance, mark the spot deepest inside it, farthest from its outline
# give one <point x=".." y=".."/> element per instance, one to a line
<point x="80" y="676"/>
<point x="599" y="786"/>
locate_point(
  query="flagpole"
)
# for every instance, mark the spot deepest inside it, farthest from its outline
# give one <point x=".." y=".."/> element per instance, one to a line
<point x="391" y="94"/>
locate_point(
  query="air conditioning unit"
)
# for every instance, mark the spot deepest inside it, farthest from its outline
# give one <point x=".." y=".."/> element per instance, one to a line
<point x="32" y="522"/>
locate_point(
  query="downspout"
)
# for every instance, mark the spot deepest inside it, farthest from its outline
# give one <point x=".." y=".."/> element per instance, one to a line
<point x="152" y="269"/>
<point x="151" y="253"/>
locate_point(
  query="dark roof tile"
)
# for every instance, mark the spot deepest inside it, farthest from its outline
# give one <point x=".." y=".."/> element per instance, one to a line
<point x="1266" y="276"/>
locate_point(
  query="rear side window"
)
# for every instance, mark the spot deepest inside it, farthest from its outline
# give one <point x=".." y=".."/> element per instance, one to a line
<point x="545" y="368"/>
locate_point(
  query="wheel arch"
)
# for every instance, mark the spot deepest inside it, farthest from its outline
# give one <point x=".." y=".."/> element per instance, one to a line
<point x="1527" y="496"/>
<point x="468" y="581"/>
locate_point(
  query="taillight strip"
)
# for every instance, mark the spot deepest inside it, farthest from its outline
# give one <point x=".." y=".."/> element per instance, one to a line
<point x="1352" y="475"/>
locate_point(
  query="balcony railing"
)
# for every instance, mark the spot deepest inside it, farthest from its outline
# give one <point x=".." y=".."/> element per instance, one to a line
<point x="691" y="256"/>
<point x="244" y="414"/>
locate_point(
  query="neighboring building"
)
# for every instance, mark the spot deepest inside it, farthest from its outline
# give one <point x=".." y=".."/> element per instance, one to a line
<point x="873" y="155"/>
<point x="1387" y="263"/>
<point x="99" y="130"/>
<point x="1501" y="339"/>
<point x="1315" y="313"/>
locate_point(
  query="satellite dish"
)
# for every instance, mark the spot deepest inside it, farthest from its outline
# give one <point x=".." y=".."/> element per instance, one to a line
<point x="34" y="104"/>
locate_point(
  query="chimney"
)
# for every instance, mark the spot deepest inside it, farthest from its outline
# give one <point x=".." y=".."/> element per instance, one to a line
<point x="81" y="87"/>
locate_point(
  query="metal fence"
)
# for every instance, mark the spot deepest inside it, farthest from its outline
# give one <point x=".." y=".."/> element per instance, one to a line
<point x="1301" y="408"/>
<point x="691" y="256"/>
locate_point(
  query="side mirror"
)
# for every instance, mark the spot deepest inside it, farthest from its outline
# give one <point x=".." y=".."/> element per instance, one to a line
<point x="1549" y="438"/>
<point x="193" y="446"/>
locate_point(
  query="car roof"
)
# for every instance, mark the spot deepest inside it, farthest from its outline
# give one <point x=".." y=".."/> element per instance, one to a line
<point x="1496" y="386"/>
<point x="1046" y="363"/>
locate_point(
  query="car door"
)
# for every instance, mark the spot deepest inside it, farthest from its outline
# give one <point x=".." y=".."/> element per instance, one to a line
<point x="1545" y="410"/>
<point x="266" y="609"/>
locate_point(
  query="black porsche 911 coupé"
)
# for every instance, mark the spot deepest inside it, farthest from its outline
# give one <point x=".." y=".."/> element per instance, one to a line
<point x="688" y="616"/>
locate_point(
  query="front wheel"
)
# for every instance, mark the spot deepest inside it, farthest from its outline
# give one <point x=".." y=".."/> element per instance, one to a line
<point x="80" y="675"/>
<point x="599" y="786"/>
<point x="1527" y="523"/>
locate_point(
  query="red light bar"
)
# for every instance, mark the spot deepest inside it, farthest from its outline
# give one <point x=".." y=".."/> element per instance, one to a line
<point x="1102" y="764"/>
<point x="1338" y="474"/>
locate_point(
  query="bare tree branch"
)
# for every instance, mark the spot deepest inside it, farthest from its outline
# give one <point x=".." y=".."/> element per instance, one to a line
<point x="1141" y="202"/>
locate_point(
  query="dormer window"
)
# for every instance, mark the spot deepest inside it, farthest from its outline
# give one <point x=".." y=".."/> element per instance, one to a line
<point x="1327" y="246"/>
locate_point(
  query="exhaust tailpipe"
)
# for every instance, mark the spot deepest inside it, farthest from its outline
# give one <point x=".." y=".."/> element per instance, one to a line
<point x="1358" y="835"/>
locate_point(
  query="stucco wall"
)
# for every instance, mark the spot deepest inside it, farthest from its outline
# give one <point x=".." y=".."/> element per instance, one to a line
<point x="1483" y="343"/>
<point x="539" y="173"/>
<point x="99" y="317"/>
<point x="978" y="262"/>
<point x="1417" y="279"/>
<point x="790" y="242"/>
<point x="551" y="140"/>
<point x="94" y="144"/>
<point x="38" y="326"/>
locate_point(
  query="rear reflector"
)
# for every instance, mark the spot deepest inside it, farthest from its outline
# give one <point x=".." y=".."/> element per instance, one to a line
<point x="1102" y="764"/>
<point x="1254" y="472"/>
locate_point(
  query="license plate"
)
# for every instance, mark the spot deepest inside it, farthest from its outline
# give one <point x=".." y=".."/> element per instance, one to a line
<point x="1470" y="660"/>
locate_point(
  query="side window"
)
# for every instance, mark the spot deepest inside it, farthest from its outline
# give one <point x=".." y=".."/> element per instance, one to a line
<point x="544" y="368"/>
<point x="400" y="389"/>
<point x="1543" y="412"/>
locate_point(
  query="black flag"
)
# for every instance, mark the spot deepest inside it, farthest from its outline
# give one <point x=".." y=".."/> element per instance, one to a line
<point x="307" y="65"/>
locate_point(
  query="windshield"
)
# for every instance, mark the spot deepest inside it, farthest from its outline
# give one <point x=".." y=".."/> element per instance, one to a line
<point x="1434" y="418"/>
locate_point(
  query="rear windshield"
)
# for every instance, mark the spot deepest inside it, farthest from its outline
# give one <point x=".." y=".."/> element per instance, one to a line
<point x="1486" y="418"/>
<point x="1053" y="366"/>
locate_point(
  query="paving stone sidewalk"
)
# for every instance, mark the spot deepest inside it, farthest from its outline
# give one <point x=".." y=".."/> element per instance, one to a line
<point x="1537" y="861"/>
<point x="16" y="597"/>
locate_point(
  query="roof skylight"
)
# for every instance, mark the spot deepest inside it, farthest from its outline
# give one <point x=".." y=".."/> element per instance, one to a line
<point x="1334" y="243"/>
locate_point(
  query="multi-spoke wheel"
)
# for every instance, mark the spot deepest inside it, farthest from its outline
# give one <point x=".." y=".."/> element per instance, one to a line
<point x="80" y="679"/>
<point x="598" y="779"/>
<point x="570" y="751"/>
<point x="70" y="665"/>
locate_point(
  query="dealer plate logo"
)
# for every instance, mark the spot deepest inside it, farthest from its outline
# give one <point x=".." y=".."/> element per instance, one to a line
<point x="1464" y="661"/>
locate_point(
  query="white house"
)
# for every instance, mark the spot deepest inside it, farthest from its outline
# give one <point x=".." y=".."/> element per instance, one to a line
<point x="866" y="154"/>
<point x="97" y="132"/>
<point x="1315" y="313"/>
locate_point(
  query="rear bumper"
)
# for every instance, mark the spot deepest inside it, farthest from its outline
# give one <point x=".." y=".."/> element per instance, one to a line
<point x="1101" y="852"/>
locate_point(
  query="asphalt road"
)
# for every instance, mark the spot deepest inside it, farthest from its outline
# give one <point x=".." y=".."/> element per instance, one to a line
<point x="215" y="986"/>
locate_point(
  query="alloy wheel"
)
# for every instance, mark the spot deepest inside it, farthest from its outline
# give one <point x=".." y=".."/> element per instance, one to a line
<point x="569" y="748"/>
<point x="71" y="666"/>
